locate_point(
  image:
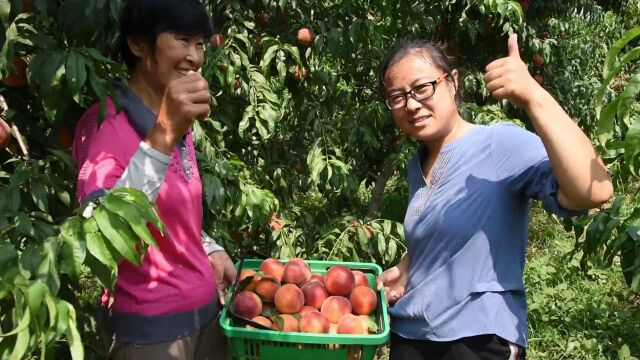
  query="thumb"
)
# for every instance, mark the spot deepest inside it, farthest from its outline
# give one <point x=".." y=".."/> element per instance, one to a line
<point x="512" y="45"/>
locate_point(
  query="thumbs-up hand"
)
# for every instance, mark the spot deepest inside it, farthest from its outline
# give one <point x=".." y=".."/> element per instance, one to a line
<point x="508" y="77"/>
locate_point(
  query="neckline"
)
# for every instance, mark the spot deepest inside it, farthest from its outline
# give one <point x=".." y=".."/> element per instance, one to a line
<point x="441" y="161"/>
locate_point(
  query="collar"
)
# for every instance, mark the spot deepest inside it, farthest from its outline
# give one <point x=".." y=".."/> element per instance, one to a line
<point x="141" y="118"/>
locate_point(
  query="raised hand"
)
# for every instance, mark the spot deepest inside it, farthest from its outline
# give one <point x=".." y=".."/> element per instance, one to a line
<point x="508" y="78"/>
<point x="185" y="100"/>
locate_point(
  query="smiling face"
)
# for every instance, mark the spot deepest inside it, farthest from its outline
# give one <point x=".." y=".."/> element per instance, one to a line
<point x="429" y="120"/>
<point x="175" y="55"/>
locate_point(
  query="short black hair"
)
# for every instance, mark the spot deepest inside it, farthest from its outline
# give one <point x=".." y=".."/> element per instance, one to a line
<point x="435" y="52"/>
<point x="146" y="19"/>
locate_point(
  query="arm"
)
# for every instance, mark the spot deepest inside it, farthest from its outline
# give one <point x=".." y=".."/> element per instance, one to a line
<point x="582" y="176"/>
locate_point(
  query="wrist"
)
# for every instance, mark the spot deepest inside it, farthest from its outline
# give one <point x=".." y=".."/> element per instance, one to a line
<point x="537" y="98"/>
<point x="161" y="140"/>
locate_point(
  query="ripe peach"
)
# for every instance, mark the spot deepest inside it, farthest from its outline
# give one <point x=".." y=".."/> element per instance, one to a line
<point x="363" y="300"/>
<point x="5" y="134"/>
<point x="351" y="324"/>
<point x="247" y="304"/>
<point x="314" y="294"/>
<point x="217" y="40"/>
<point x="314" y="322"/>
<point x="266" y="288"/>
<point x="286" y="322"/>
<point x="307" y="309"/>
<point x="538" y="60"/>
<point x="306" y="37"/>
<point x="538" y="78"/>
<point x="300" y="74"/>
<point x="289" y="299"/>
<point x="245" y="273"/>
<point x="262" y="321"/>
<point x="317" y="277"/>
<point x="296" y="272"/>
<point x="272" y="267"/>
<point x="361" y="278"/>
<point x="335" y="307"/>
<point x="339" y="280"/>
<point x="18" y="75"/>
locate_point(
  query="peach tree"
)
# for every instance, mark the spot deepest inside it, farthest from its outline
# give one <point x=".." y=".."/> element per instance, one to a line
<point x="299" y="156"/>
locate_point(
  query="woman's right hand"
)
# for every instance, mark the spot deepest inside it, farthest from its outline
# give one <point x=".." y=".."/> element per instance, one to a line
<point x="185" y="99"/>
<point x="394" y="281"/>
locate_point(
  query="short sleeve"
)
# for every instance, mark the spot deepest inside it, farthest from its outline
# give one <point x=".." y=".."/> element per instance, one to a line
<point x="522" y="163"/>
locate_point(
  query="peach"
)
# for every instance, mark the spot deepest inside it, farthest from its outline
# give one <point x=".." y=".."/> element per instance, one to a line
<point x="247" y="304"/>
<point x="351" y="324"/>
<point x="363" y="300"/>
<point x="317" y="277"/>
<point x="272" y="267"/>
<point x="314" y="294"/>
<point x="245" y="273"/>
<point x="335" y="307"/>
<point x="286" y="322"/>
<point x="266" y="288"/>
<point x="262" y="321"/>
<point x="339" y="280"/>
<point x="314" y="322"/>
<point x="361" y="278"/>
<point x="307" y="309"/>
<point x="296" y="272"/>
<point x="289" y="299"/>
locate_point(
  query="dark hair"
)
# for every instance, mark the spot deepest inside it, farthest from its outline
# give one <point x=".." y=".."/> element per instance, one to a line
<point x="435" y="53"/>
<point x="146" y="19"/>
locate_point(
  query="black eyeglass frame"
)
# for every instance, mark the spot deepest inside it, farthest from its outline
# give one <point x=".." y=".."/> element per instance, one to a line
<point x="411" y="92"/>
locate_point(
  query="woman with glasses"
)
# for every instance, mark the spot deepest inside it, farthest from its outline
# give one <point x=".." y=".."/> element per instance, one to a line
<point x="458" y="292"/>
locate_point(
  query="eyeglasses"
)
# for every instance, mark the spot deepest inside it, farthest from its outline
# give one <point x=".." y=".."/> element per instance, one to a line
<point x="418" y="93"/>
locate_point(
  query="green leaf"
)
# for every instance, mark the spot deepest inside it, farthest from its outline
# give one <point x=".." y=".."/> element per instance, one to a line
<point x="632" y="148"/>
<point x="135" y="218"/>
<point x="74" y="247"/>
<point x="22" y="324"/>
<point x="106" y="275"/>
<point x="22" y="343"/>
<point x="606" y="122"/>
<point x="35" y="294"/>
<point x="97" y="244"/>
<point x="615" y="49"/>
<point x="76" y="74"/>
<point x="628" y="97"/>
<point x="142" y="204"/>
<point x="118" y="232"/>
<point x="63" y="317"/>
<point x="73" y="337"/>
<point x="40" y="196"/>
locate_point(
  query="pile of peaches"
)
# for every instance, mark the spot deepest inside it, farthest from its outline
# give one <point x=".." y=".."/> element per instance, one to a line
<point x="289" y="297"/>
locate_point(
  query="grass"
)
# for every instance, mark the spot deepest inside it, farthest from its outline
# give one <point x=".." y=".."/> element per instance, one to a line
<point x="575" y="313"/>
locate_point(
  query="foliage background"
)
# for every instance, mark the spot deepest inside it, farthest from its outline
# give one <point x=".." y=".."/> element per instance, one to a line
<point x="313" y="166"/>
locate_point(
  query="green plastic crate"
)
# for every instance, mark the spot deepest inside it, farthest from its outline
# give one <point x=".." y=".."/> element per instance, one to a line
<point x="254" y="344"/>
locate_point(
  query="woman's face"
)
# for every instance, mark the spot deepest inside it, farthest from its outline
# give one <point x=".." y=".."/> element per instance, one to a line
<point x="431" y="119"/>
<point x="175" y="56"/>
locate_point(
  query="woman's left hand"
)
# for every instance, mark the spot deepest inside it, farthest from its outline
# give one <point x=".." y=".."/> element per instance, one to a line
<point x="508" y="78"/>
<point x="225" y="271"/>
